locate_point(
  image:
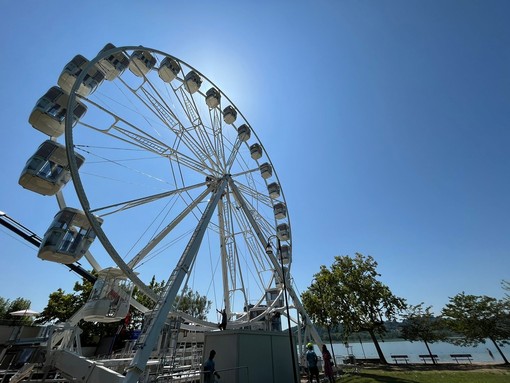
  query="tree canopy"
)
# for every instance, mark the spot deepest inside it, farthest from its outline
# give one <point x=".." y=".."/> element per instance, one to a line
<point x="192" y="303"/>
<point x="350" y="293"/>
<point x="187" y="301"/>
<point x="7" y="306"/>
<point x="420" y="324"/>
<point x="506" y="287"/>
<point x="478" y="318"/>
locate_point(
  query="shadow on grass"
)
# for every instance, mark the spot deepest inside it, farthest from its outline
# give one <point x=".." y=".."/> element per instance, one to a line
<point x="386" y="374"/>
<point x="367" y="377"/>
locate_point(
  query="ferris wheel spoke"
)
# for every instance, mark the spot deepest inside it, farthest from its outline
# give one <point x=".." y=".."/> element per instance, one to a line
<point x="252" y="255"/>
<point x="163" y="233"/>
<point x="233" y="154"/>
<point x="213" y="155"/>
<point x="157" y="104"/>
<point x="215" y="119"/>
<point x="254" y="194"/>
<point x="132" y="135"/>
<point x="158" y="109"/>
<point x="191" y="110"/>
<point x="226" y="238"/>
<point x="254" y="249"/>
<point x="261" y="226"/>
<point x="121" y="206"/>
<point x="242" y="233"/>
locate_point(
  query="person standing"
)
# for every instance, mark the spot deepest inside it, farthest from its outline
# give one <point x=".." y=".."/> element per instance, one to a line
<point x="311" y="360"/>
<point x="210" y="368"/>
<point x="328" y="363"/>
<point x="223" y="325"/>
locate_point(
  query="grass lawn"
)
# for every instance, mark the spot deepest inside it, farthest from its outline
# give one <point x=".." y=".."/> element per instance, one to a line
<point x="426" y="374"/>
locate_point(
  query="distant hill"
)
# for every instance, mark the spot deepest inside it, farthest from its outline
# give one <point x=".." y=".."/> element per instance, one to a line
<point x="392" y="327"/>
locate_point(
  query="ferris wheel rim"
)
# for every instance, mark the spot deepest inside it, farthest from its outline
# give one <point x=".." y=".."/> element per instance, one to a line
<point x="76" y="179"/>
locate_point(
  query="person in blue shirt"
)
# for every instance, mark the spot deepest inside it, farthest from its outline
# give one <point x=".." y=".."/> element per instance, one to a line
<point x="311" y="361"/>
<point x="210" y="369"/>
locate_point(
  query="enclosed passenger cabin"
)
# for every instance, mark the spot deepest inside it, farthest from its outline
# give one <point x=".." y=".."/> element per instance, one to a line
<point x="68" y="238"/>
<point x="274" y="296"/>
<point x="46" y="172"/>
<point x="257" y="311"/>
<point x="274" y="190"/>
<point x="256" y="151"/>
<point x="244" y="133"/>
<point x="49" y="113"/>
<point x="212" y="98"/>
<point x="141" y="62"/>
<point x="113" y="65"/>
<point x="192" y="81"/>
<point x="285" y="254"/>
<point x="229" y="115"/>
<point x="280" y="210"/>
<point x="73" y="69"/>
<point x="283" y="232"/>
<point x="168" y="69"/>
<point x="266" y="170"/>
<point x="278" y="280"/>
<point x="110" y="297"/>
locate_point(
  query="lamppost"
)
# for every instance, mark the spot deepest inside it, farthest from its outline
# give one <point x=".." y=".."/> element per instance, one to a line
<point x="269" y="251"/>
<point x="328" y="325"/>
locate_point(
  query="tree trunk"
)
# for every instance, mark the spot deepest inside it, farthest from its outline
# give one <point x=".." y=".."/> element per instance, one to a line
<point x="501" y="352"/>
<point x="430" y="352"/>
<point x="377" y="347"/>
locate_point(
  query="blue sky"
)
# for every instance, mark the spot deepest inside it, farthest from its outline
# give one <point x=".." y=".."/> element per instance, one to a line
<point x="387" y="123"/>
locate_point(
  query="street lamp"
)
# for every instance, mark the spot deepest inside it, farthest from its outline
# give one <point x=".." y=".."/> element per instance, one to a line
<point x="269" y="251"/>
<point x="328" y="325"/>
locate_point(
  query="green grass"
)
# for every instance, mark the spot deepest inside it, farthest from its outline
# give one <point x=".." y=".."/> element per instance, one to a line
<point x="453" y="374"/>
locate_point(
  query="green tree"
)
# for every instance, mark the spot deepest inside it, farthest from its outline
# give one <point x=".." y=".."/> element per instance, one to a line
<point x="319" y="306"/>
<point x="421" y="324"/>
<point x="7" y="306"/>
<point x="478" y="318"/>
<point x="136" y="315"/>
<point x="350" y="294"/>
<point x="192" y="303"/>
<point x="506" y="287"/>
<point x="61" y="306"/>
<point x="4" y="304"/>
<point x="188" y="302"/>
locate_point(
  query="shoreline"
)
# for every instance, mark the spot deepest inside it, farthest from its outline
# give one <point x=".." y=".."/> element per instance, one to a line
<point x="440" y="366"/>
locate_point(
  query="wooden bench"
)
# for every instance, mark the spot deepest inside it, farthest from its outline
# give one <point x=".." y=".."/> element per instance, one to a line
<point x="461" y="357"/>
<point x="426" y="357"/>
<point x="402" y="358"/>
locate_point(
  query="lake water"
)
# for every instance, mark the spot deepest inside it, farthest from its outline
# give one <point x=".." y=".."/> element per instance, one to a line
<point x="443" y="350"/>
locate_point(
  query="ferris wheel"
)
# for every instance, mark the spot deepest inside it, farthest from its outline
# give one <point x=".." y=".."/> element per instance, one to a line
<point x="172" y="180"/>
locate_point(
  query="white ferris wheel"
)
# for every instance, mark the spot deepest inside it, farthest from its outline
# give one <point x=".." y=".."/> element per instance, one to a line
<point x="173" y="182"/>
